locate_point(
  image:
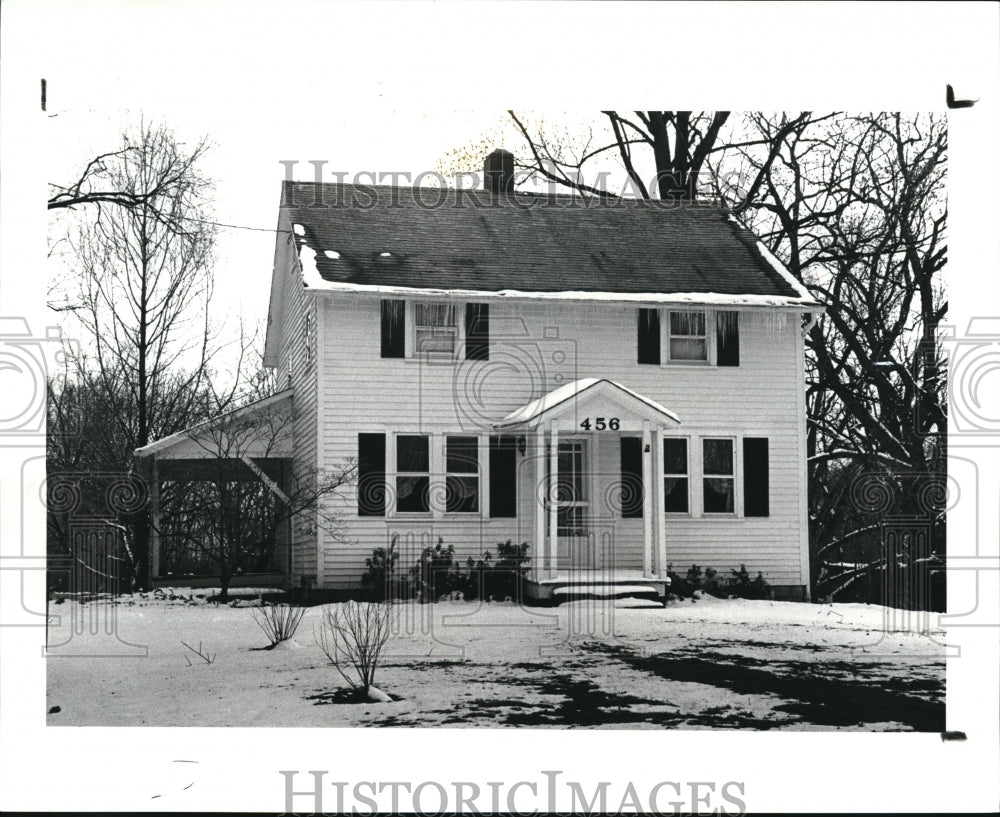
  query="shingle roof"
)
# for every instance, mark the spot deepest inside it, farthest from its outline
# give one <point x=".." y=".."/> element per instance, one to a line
<point x="446" y="239"/>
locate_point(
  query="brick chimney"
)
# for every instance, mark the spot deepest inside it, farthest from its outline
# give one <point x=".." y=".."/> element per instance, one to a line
<point x="498" y="172"/>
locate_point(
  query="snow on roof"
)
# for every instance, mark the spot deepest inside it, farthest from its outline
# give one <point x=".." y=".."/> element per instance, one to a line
<point x="317" y="282"/>
<point x="570" y="391"/>
<point x="775" y="264"/>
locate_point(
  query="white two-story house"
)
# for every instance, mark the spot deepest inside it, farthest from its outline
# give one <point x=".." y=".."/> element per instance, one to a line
<point x="619" y="384"/>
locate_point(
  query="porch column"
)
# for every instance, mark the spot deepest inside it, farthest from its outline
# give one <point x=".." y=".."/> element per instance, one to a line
<point x="647" y="501"/>
<point x="539" y="560"/>
<point x="553" y="504"/>
<point x="660" y="522"/>
<point x="154" y="533"/>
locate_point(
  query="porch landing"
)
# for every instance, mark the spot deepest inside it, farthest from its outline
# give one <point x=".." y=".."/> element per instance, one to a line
<point x="596" y="584"/>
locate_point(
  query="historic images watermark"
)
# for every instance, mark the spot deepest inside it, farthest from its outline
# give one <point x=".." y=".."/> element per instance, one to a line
<point x="431" y="190"/>
<point x="548" y="793"/>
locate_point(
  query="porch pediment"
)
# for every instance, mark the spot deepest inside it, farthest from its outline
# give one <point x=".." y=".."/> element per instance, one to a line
<point x="568" y="407"/>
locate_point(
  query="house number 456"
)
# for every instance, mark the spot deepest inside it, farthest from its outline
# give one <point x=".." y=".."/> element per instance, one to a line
<point x="601" y="424"/>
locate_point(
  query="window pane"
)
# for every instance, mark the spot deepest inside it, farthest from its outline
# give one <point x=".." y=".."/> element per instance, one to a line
<point x="718" y="495"/>
<point x="462" y="494"/>
<point x="687" y="323"/>
<point x="675" y="456"/>
<point x="675" y="494"/>
<point x="718" y="457"/>
<point x="572" y="521"/>
<point x="434" y="314"/>
<point x="435" y="341"/>
<point x="688" y="349"/>
<point x="462" y="455"/>
<point x="413" y="495"/>
<point x="413" y="453"/>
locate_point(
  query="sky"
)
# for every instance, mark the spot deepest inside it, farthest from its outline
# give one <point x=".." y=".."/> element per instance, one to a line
<point x="392" y="87"/>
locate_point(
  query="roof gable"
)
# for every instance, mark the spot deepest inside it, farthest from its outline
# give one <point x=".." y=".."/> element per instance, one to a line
<point x="568" y="405"/>
<point x="435" y="239"/>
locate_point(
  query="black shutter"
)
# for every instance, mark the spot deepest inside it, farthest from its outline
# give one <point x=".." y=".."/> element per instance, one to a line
<point x="755" y="477"/>
<point x="371" y="474"/>
<point x="503" y="477"/>
<point x="477" y="331"/>
<point x="393" y="328"/>
<point x="727" y="336"/>
<point x="631" y="478"/>
<point x="649" y="336"/>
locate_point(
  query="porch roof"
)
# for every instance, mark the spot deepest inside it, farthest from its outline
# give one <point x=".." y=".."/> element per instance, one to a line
<point x="259" y="431"/>
<point x="565" y="399"/>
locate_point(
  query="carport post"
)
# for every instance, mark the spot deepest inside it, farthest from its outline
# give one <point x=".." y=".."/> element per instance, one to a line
<point x="154" y="533"/>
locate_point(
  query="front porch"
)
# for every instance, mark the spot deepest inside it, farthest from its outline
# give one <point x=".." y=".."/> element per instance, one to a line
<point x="579" y="504"/>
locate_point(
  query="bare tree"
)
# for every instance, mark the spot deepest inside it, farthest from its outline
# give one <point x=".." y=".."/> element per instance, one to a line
<point x="353" y="637"/>
<point x="162" y="181"/>
<point x="141" y="288"/>
<point x="857" y="210"/>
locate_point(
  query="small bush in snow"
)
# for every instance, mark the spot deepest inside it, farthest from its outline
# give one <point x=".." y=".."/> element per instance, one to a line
<point x="352" y="636"/>
<point x="279" y="621"/>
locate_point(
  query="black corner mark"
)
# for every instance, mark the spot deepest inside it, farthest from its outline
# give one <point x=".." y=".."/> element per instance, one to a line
<point x="946" y="736"/>
<point x="957" y="103"/>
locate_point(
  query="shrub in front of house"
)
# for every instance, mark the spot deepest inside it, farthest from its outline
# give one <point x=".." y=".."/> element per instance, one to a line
<point x="436" y="574"/>
<point x="381" y="576"/>
<point x="742" y="586"/>
<point x="738" y="585"/>
<point x="500" y="579"/>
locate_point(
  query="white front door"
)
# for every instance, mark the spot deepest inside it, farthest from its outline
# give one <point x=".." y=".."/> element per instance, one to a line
<point x="574" y="548"/>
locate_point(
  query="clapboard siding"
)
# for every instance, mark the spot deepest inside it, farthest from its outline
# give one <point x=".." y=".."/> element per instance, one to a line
<point x="297" y="367"/>
<point x="535" y="347"/>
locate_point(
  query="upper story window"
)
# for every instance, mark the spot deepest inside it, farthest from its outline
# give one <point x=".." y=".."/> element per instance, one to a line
<point x="688" y="342"/>
<point x="689" y="336"/>
<point x="435" y="329"/>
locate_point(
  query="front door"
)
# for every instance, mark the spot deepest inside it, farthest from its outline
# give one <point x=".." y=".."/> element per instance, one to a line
<point x="574" y="543"/>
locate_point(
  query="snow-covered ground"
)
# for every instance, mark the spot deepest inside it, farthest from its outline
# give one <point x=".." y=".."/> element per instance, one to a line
<point x="706" y="664"/>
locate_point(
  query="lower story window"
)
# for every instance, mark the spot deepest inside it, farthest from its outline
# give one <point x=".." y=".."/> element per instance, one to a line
<point x="413" y="465"/>
<point x="675" y="475"/>
<point x="719" y="476"/>
<point x="462" y="477"/>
